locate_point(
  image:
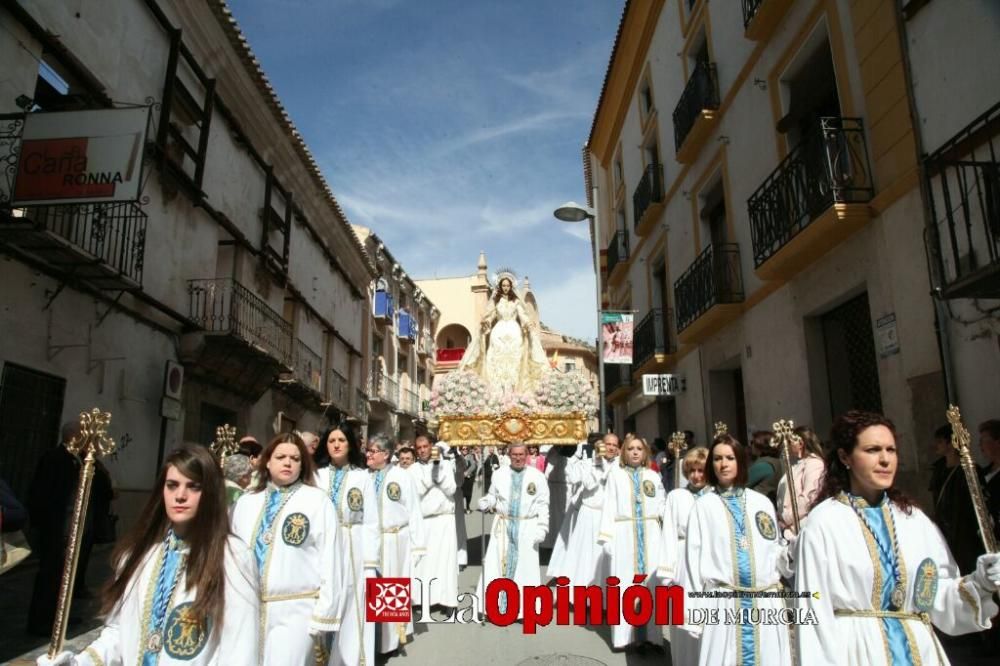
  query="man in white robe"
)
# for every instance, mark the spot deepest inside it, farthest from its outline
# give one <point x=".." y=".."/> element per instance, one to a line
<point x="519" y="497"/>
<point x="394" y="531"/>
<point x="438" y="571"/>
<point x="557" y="462"/>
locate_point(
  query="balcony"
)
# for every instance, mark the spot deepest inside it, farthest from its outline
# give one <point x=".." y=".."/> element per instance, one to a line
<point x="816" y="198"/>
<point x="761" y="17"/>
<point x="618" y="257"/>
<point x="652" y="343"/>
<point x="101" y="244"/>
<point x="305" y="381"/>
<point x="360" y="406"/>
<point x="448" y="359"/>
<point x="425" y="345"/>
<point x="963" y="178"/>
<point x="709" y="294"/>
<point x="339" y="391"/>
<point x="410" y="403"/>
<point x="383" y="310"/>
<point x="647" y="200"/>
<point x="406" y="328"/>
<point x="697" y="112"/>
<point x="243" y="344"/>
<point x="617" y="382"/>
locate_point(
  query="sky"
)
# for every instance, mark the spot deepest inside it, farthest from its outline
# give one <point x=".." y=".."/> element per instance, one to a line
<point x="451" y="127"/>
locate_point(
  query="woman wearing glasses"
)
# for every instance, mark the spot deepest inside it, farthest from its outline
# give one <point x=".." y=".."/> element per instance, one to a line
<point x="394" y="533"/>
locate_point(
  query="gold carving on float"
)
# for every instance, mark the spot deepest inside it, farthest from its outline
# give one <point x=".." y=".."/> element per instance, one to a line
<point x="513" y="426"/>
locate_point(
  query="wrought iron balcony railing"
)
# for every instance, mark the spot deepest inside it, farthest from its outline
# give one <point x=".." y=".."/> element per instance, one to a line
<point x="450" y="355"/>
<point x="361" y="405"/>
<point x="617" y="249"/>
<point x="339" y="393"/>
<point x="390" y="390"/>
<point x="714" y="278"/>
<point x="411" y="402"/>
<point x="963" y="178"/>
<point x="307" y="366"/>
<point x="652" y="336"/>
<point x="107" y="240"/>
<point x="223" y="305"/>
<point x="700" y="93"/>
<point x="750" y="8"/>
<point x="616" y="376"/>
<point x="648" y="192"/>
<point x="830" y="166"/>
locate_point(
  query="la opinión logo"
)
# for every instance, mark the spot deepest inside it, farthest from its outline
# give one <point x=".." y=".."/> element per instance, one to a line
<point x="388" y="599"/>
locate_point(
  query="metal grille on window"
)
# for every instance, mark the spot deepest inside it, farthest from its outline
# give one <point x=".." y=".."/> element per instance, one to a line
<point x="31" y="404"/>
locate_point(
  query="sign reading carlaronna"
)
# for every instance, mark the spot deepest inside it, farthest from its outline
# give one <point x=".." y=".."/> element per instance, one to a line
<point x="81" y="156"/>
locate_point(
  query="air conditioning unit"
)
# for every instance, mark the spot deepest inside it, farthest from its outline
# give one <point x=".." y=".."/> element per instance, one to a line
<point x="173" y="380"/>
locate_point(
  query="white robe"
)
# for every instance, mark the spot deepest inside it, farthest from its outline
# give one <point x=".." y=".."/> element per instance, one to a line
<point x="123" y="638"/>
<point x="560" y="494"/>
<point x="583" y="560"/>
<point x="303" y="580"/>
<point x="564" y="529"/>
<point x="394" y="538"/>
<point x="710" y="548"/>
<point x="833" y="558"/>
<point x="532" y="522"/>
<point x="621" y="527"/>
<point x="356" y="633"/>
<point x="459" y="501"/>
<point x="683" y="646"/>
<point x="438" y="570"/>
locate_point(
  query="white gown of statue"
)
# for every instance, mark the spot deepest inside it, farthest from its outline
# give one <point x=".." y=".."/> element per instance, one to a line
<point x="510" y="357"/>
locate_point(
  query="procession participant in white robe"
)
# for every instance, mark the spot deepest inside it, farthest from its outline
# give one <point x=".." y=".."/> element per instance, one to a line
<point x="458" y="500"/>
<point x="405" y="457"/>
<point x="883" y="570"/>
<point x="394" y="532"/>
<point x="680" y="502"/>
<point x="342" y="477"/>
<point x="630" y="532"/>
<point x="438" y="569"/>
<point x="732" y="545"/>
<point x="519" y="497"/>
<point x="557" y="461"/>
<point x="573" y="488"/>
<point x="293" y="534"/>
<point x="184" y="591"/>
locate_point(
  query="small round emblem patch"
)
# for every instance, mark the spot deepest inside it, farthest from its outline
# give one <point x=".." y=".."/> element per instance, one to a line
<point x="392" y="491"/>
<point x="530" y="489"/>
<point x="295" y="529"/>
<point x="765" y="525"/>
<point x="184" y="637"/>
<point x="648" y="488"/>
<point x="355" y="499"/>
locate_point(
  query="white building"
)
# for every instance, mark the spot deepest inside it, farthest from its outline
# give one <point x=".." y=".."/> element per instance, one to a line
<point x="236" y="265"/>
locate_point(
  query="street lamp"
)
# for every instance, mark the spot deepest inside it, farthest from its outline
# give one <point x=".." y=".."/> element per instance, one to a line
<point x="574" y="212"/>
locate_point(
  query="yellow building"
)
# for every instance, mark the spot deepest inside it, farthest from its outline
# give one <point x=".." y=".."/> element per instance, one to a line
<point x="757" y="176"/>
<point x="463" y="301"/>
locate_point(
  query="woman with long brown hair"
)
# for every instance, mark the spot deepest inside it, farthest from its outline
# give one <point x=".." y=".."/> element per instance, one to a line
<point x="806" y="453"/>
<point x="185" y="588"/>
<point x="884" y="574"/>
<point x="733" y="559"/>
<point x="293" y="534"/>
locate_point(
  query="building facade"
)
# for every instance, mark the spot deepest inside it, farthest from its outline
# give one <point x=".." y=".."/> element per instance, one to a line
<point x="403" y="326"/>
<point x="232" y="290"/>
<point x="758" y="188"/>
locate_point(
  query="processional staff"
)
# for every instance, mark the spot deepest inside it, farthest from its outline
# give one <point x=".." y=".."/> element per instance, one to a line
<point x="960" y="439"/>
<point x="678" y="444"/>
<point x="225" y="444"/>
<point x="784" y="432"/>
<point x="720" y="429"/>
<point x="91" y="443"/>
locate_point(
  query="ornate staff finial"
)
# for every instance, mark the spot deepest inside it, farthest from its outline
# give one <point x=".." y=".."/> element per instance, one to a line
<point x="93" y="438"/>
<point x="225" y="443"/>
<point x="720" y="429"/>
<point x="784" y="432"/>
<point x="678" y="443"/>
<point x="961" y="439"/>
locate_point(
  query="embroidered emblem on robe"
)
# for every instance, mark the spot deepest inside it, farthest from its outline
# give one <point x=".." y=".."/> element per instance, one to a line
<point x="925" y="586"/>
<point x="295" y="529"/>
<point x="648" y="488"/>
<point x="392" y="491"/>
<point x="183" y="636"/>
<point x="765" y="526"/>
<point x="530" y="489"/>
<point x="355" y="499"/>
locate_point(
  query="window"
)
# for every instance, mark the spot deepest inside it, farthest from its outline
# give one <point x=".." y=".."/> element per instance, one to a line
<point x="622" y="221"/>
<point x="31" y="405"/>
<point x="713" y="213"/>
<point x="810" y="87"/>
<point x="569" y="366"/>
<point x="646" y="105"/>
<point x="59" y="88"/>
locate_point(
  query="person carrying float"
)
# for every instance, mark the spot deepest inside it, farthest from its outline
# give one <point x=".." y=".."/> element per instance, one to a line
<point x="185" y="590"/>
<point x="293" y="534"/>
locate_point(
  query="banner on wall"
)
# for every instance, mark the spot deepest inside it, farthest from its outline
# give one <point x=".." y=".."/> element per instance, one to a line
<point x="616" y="330"/>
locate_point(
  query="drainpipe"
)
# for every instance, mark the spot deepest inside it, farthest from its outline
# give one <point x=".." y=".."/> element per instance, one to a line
<point x="930" y="248"/>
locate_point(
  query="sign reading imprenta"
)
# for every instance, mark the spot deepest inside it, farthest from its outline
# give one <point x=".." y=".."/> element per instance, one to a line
<point x="81" y="156"/>
<point x="662" y="384"/>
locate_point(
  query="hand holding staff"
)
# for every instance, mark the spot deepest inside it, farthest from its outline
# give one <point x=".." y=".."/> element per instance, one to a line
<point x="960" y="439"/>
<point x="225" y="443"/>
<point x="784" y="432"/>
<point x="91" y="443"/>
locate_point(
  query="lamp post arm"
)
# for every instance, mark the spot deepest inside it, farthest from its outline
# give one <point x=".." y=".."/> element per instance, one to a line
<point x="595" y="239"/>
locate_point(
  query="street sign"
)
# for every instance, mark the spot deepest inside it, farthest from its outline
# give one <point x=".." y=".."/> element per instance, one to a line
<point x="663" y="384"/>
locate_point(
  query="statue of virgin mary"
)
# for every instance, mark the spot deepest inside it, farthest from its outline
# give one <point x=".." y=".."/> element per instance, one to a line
<point x="507" y="353"/>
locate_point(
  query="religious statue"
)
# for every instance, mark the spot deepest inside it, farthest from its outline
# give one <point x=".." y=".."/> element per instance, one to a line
<point x="507" y="353"/>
